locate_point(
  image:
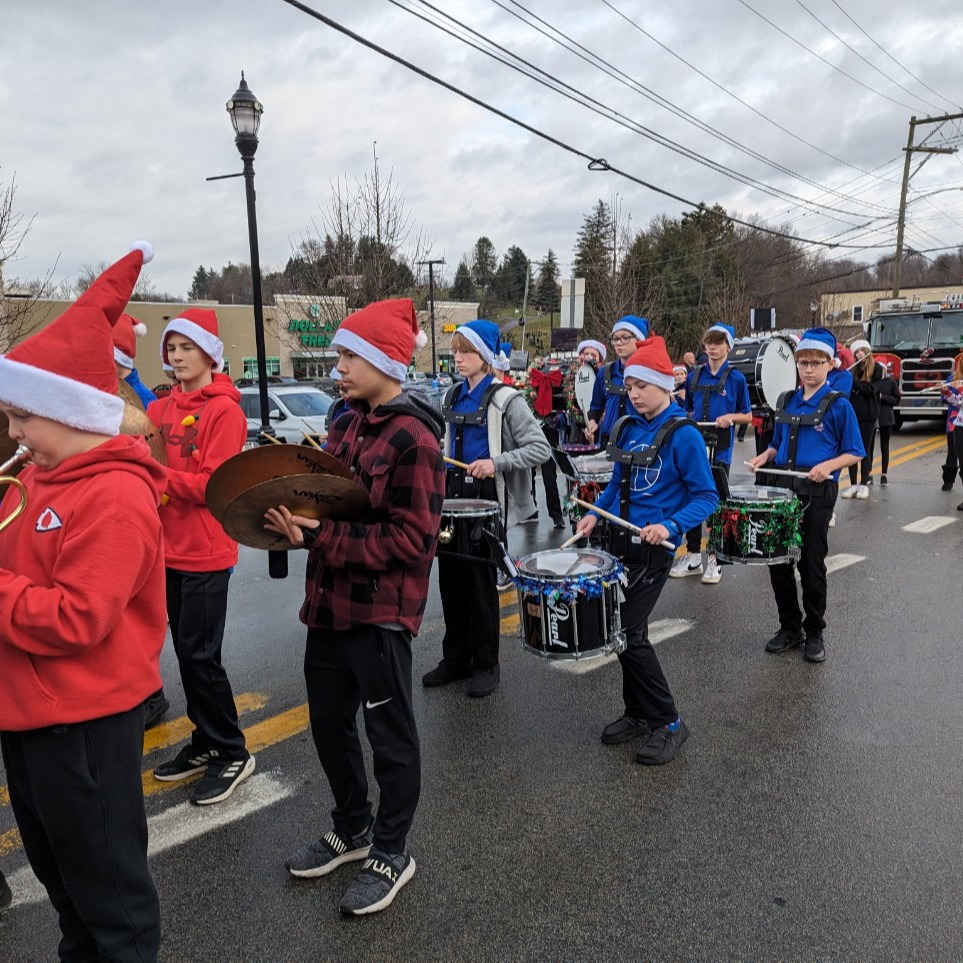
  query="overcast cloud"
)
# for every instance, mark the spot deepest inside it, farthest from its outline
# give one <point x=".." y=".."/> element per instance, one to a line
<point x="113" y="115"/>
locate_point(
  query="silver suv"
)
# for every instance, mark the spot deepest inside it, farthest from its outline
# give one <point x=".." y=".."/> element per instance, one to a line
<point x="292" y="409"/>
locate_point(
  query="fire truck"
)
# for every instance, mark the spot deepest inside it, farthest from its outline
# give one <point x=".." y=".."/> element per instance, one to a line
<point x="922" y="340"/>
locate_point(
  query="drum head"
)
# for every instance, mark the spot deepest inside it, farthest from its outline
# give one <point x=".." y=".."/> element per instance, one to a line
<point x="469" y="506"/>
<point x="752" y="493"/>
<point x="777" y="369"/>
<point x="557" y="563"/>
<point x="593" y="465"/>
<point x="584" y="386"/>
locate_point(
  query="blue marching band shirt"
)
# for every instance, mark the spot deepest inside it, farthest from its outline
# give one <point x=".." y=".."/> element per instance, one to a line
<point x="732" y="400"/>
<point x="474" y="437"/>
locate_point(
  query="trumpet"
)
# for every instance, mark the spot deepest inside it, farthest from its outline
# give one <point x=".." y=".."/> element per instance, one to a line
<point x="21" y="454"/>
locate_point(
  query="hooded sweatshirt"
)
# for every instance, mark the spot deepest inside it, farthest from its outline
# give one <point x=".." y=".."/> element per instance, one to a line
<point x="375" y="571"/>
<point x="193" y="539"/>
<point x="82" y="607"/>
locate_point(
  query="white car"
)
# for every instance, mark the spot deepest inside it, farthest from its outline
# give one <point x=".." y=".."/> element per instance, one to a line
<point x="292" y="410"/>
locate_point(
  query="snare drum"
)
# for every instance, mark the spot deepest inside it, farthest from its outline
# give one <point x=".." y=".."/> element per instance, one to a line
<point x="579" y="447"/>
<point x="769" y="366"/>
<point x="569" y="599"/>
<point x="592" y="474"/>
<point x="757" y="526"/>
<point x="463" y="524"/>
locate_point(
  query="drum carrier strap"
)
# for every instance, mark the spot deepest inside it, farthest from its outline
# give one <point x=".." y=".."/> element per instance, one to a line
<point x="716" y="439"/>
<point x="459" y="484"/>
<point x="795" y="422"/>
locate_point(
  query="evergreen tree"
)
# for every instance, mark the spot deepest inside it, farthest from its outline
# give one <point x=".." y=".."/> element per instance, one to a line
<point x="198" y="291"/>
<point x="547" y="294"/>
<point x="593" y="262"/>
<point x="511" y="277"/>
<point x="463" y="288"/>
<point x="484" y="263"/>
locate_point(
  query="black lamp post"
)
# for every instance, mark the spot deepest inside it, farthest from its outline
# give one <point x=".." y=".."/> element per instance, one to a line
<point x="245" y="110"/>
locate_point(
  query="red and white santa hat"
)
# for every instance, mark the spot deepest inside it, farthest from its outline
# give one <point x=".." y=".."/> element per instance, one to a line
<point x="651" y="364"/>
<point x="592" y="343"/>
<point x="66" y="371"/>
<point x="200" y="325"/>
<point x="385" y="334"/>
<point x="126" y="332"/>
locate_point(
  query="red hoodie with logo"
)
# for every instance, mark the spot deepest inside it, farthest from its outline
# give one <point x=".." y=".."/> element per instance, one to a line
<point x="82" y="607"/>
<point x="194" y="540"/>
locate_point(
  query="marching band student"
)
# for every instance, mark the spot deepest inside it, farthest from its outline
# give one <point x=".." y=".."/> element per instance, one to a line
<point x="591" y="354"/>
<point x="953" y="398"/>
<point x="202" y="425"/>
<point x="661" y="481"/>
<point x="367" y="587"/>
<point x="82" y="625"/>
<point x="717" y="393"/>
<point x="817" y="432"/>
<point x="610" y="397"/>
<point x="867" y="380"/>
<point x="490" y="428"/>
<point x="502" y="364"/>
<point x="889" y="398"/>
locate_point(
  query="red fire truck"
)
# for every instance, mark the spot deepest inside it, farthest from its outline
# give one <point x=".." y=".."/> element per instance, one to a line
<point x="922" y="340"/>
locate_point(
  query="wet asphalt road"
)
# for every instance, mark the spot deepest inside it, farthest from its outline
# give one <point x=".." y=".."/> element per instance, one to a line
<point x="813" y="814"/>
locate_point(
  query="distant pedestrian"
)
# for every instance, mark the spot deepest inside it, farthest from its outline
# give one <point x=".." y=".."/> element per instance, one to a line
<point x="867" y="378"/>
<point x="952" y="398"/>
<point x="889" y="398"/>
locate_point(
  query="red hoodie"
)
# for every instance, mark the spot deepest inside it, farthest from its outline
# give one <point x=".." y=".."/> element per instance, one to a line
<point x="82" y="607"/>
<point x="193" y="539"/>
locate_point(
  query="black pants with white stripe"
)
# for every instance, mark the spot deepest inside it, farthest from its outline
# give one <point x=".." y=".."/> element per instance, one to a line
<point x="77" y="796"/>
<point x="368" y="667"/>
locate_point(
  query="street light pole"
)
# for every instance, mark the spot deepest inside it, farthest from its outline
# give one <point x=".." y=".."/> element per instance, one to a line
<point x="431" y="307"/>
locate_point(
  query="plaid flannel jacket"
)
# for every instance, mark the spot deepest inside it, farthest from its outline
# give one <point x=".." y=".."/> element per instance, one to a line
<point x="376" y="571"/>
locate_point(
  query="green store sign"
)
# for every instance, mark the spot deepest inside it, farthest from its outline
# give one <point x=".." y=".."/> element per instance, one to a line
<point x="313" y="333"/>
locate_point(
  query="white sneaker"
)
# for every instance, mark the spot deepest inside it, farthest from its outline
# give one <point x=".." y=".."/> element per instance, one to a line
<point x="832" y="521"/>
<point x="849" y="492"/>
<point x="713" y="572"/>
<point x="686" y="565"/>
<point x="862" y="492"/>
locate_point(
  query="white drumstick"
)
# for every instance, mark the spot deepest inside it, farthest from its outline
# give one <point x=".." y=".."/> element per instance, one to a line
<point x="568" y="543"/>
<point x="779" y="471"/>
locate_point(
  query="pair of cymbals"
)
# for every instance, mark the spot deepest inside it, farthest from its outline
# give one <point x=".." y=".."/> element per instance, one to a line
<point x="305" y="480"/>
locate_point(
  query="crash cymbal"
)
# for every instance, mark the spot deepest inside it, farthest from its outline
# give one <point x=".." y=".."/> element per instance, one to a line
<point x="128" y="395"/>
<point x="314" y="496"/>
<point x="136" y="422"/>
<point x="258" y="465"/>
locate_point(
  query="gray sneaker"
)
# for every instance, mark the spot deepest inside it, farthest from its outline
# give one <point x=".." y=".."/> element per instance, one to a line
<point x="378" y="883"/>
<point x="328" y="853"/>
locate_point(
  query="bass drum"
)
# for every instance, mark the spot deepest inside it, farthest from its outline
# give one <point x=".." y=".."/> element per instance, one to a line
<point x="769" y="367"/>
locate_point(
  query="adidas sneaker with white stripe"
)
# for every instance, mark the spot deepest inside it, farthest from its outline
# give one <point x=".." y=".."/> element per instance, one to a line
<point x="223" y="776"/>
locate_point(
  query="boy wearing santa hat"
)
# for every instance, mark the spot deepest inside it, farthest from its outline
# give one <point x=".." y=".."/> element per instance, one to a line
<point x="126" y="332"/>
<point x="367" y="588"/>
<point x="610" y="396"/>
<point x="82" y="624"/>
<point x="202" y="425"/>
<point x="816" y="432"/>
<point x="662" y="483"/>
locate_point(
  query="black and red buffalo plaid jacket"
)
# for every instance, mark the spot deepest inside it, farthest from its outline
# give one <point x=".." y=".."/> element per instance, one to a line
<point x="376" y="571"/>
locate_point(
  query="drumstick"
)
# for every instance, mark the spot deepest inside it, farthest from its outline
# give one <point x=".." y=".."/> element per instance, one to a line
<point x="618" y="521"/>
<point x="568" y="543"/>
<point x="452" y="461"/>
<point x="311" y="441"/>
<point x="270" y="438"/>
<point x="779" y="471"/>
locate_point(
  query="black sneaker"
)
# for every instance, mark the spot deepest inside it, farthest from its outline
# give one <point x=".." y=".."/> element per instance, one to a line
<point x="947" y="487"/>
<point x="329" y="852"/>
<point x="155" y="708"/>
<point x="445" y="672"/>
<point x="531" y="520"/>
<point x="663" y="745"/>
<point x="558" y="521"/>
<point x="503" y="581"/>
<point x="187" y="762"/>
<point x="784" y="640"/>
<point x="378" y="883"/>
<point x="883" y="481"/>
<point x="484" y="682"/>
<point x="815" y="651"/>
<point x="624" y="730"/>
<point x="223" y="776"/>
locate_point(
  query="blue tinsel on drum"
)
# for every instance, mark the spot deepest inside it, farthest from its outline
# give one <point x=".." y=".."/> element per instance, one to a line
<point x="588" y="586"/>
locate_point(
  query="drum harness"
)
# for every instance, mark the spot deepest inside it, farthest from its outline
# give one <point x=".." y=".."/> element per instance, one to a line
<point x="713" y="436"/>
<point x="620" y="540"/>
<point x="801" y="486"/>
<point x="459" y="484"/>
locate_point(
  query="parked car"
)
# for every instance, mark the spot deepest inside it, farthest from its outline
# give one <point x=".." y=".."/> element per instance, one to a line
<point x="292" y="410"/>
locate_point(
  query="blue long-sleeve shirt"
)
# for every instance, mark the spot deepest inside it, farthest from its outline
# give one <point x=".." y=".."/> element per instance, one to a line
<point x="611" y="407"/>
<point x="840" y="380"/>
<point x="143" y="392"/>
<point x="734" y="400"/>
<point x="677" y="490"/>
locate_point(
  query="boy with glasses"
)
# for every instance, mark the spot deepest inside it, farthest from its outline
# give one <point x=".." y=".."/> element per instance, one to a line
<point x="610" y="396"/>
<point x="816" y="432"/>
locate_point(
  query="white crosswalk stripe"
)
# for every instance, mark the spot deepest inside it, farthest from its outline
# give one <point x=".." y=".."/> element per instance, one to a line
<point x="929" y="524"/>
<point x="659" y="631"/>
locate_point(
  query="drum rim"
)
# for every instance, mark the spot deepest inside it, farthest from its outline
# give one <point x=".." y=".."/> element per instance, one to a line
<point x="470" y="507"/>
<point x="786" y="495"/>
<point x="611" y="561"/>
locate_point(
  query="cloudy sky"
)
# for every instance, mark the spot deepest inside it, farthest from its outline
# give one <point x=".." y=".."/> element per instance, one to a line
<point x="114" y="113"/>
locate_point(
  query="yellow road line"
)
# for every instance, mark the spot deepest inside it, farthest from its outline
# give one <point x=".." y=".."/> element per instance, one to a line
<point x="507" y="599"/>
<point x="914" y="450"/>
<point x="4" y="795"/>
<point x="933" y="446"/>
<point x="177" y="730"/>
<point x="10" y="841"/>
<point x="509" y="624"/>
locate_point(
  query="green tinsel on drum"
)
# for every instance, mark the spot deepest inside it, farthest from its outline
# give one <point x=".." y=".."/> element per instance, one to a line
<point x="747" y="530"/>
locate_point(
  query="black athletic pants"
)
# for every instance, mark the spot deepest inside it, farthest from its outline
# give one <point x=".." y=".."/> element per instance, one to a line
<point x="952" y="461"/>
<point x="818" y="502"/>
<point x="693" y="537"/>
<point x="369" y="667"/>
<point x="549" y="475"/>
<point x="644" y="687"/>
<point x="867" y="431"/>
<point x="885" y="433"/>
<point x="77" y="797"/>
<point x="197" y="610"/>
<point x="469" y="601"/>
